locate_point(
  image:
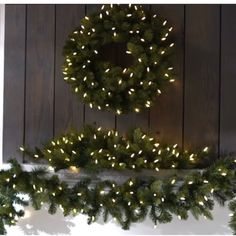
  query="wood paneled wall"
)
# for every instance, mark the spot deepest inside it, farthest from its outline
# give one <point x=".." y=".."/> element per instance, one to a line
<point x="198" y="110"/>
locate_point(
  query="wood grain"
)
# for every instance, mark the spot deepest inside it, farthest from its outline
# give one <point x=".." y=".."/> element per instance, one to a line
<point x="39" y="74"/>
<point x="228" y="81"/>
<point x="69" y="110"/>
<point x="202" y="76"/>
<point x="14" y="81"/>
<point x="166" y="116"/>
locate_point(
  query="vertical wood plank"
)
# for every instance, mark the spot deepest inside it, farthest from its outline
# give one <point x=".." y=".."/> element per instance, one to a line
<point x="14" y="81"/>
<point x="166" y="116"/>
<point x="39" y="74"/>
<point x="101" y="118"/>
<point x="228" y="81"/>
<point x="69" y="111"/>
<point x="202" y="76"/>
<point x="126" y="122"/>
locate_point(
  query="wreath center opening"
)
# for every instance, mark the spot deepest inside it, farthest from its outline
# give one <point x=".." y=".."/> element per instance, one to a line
<point x="115" y="53"/>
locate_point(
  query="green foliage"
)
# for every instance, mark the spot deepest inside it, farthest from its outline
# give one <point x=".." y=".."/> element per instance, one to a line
<point x="107" y="86"/>
<point x="232" y="223"/>
<point x="127" y="203"/>
<point x="95" y="149"/>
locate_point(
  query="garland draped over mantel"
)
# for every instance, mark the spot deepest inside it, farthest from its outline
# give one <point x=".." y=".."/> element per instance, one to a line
<point x="129" y="202"/>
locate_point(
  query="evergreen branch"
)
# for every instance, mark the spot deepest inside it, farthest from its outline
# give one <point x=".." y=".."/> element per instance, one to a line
<point x="94" y="149"/>
<point x="128" y="202"/>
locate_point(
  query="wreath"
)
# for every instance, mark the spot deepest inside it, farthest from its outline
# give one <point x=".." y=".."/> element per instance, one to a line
<point x="110" y="87"/>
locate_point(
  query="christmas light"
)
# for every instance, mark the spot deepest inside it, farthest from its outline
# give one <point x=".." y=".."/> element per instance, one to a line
<point x="74" y="169"/>
<point x="131" y="183"/>
<point x="191" y="157"/>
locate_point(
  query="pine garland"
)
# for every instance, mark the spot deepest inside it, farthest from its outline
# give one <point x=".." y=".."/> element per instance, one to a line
<point x="110" y="87"/>
<point x="129" y="202"/>
<point x="96" y="149"/>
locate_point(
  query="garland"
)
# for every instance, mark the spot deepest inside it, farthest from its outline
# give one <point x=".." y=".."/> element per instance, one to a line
<point x="106" y="86"/>
<point x="95" y="149"/>
<point x="129" y="202"/>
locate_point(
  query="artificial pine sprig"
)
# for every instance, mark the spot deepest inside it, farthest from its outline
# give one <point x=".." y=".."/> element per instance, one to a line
<point x="232" y="223"/>
<point x="129" y="202"/>
<point x="95" y="149"/>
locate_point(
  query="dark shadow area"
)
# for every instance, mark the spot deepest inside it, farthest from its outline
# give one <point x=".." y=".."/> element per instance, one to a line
<point x="115" y="53"/>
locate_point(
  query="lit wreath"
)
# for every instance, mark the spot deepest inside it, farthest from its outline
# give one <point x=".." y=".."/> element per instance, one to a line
<point x="110" y="87"/>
